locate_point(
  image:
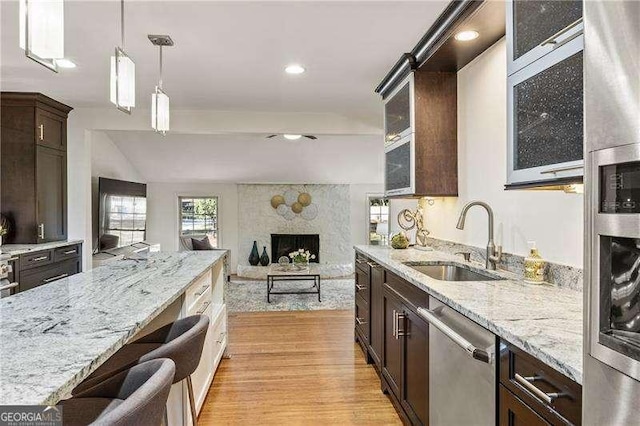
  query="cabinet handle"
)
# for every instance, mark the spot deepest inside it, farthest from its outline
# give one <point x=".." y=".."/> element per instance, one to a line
<point x="57" y="277"/>
<point x="39" y="258"/>
<point x="562" y="169"/>
<point x="360" y="261"/>
<point x="70" y="252"/>
<point x="204" y="308"/>
<point x="222" y="336"/>
<point x="553" y="38"/>
<point x="41" y="231"/>
<point x="8" y="286"/>
<point x="400" y="333"/>
<point x="360" y="287"/>
<point x="360" y="321"/>
<point x="202" y="290"/>
<point x="527" y="383"/>
<point x="373" y="265"/>
<point x="395" y="322"/>
<point x="41" y="127"/>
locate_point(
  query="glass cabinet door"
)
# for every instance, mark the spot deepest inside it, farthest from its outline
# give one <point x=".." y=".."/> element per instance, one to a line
<point x="536" y="28"/>
<point x="398" y="113"/>
<point x="546" y="117"/>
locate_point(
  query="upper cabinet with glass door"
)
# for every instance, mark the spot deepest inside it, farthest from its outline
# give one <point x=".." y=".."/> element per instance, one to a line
<point x="399" y="112"/>
<point x="544" y="93"/>
<point x="536" y="28"/>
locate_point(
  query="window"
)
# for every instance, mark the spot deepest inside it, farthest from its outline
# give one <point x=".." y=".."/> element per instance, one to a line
<point x="126" y="218"/>
<point x="378" y="219"/>
<point x="199" y="218"/>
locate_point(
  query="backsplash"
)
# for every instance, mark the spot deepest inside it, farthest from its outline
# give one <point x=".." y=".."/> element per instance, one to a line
<point x="560" y="275"/>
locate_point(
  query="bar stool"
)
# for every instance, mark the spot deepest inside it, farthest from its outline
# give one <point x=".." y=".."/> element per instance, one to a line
<point x="181" y="341"/>
<point x="136" y="396"/>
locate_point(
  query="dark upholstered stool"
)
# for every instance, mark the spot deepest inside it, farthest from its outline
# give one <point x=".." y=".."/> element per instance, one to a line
<point x="136" y="396"/>
<point x="181" y="341"/>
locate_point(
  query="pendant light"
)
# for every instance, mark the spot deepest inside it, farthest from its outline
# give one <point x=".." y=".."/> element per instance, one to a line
<point x="123" y="74"/>
<point x="42" y="31"/>
<point x="159" y="99"/>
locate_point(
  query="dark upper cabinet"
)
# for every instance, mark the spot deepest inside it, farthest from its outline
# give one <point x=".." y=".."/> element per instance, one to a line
<point x="34" y="167"/>
<point x="544" y="93"/>
<point x="421" y="157"/>
<point x="536" y="28"/>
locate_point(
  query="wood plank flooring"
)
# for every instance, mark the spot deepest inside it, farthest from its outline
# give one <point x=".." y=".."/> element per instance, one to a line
<point x="295" y="368"/>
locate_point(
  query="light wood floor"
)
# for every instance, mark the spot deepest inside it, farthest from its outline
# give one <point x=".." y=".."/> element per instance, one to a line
<point x="295" y="368"/>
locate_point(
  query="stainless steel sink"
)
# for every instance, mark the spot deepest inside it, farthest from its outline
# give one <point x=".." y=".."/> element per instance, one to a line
<point x="451" y="272"/>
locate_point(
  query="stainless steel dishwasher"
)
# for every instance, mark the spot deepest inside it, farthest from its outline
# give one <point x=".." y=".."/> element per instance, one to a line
<point x="462" y="372"/>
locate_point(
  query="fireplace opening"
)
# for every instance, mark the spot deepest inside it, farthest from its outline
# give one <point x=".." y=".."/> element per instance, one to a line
<point x="283" y="244"/>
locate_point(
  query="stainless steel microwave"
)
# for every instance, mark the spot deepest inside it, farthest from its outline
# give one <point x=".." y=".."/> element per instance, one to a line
<point x="400" y="170"/>
<point x="614" y="323"/>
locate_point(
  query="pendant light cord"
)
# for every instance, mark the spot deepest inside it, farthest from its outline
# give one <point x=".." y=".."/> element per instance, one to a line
<point x="122" y="22"/>
<point x="160" y="81"/>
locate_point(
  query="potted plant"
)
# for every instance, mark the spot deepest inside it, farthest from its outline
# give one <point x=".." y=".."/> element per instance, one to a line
<point x="301" y="257"/>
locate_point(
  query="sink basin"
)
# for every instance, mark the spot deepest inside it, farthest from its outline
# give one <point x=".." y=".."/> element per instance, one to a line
<point x="451" y="272"/>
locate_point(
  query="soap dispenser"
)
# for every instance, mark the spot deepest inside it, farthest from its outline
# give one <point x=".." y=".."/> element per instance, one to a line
<point x="534" y="265"/>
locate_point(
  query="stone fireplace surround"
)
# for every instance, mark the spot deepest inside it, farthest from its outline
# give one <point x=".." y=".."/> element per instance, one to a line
<point x="258" y="221"/>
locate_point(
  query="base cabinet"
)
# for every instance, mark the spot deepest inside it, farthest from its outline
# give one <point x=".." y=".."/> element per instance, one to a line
<point x="514" y="412"/>
<point x="376" y="309"/>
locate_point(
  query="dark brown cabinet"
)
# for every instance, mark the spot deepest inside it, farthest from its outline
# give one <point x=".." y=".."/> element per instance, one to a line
<point x="46" y="266"/>
<point x="34" y="167"/>
<point x="514" y="412"/>
<point x="392" y="353"/>
<point x="376" y="312"/>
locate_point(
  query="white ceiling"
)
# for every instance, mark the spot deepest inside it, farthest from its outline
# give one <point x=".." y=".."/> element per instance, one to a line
<point x="229" y="55"/>
<point x="251" y="158"/>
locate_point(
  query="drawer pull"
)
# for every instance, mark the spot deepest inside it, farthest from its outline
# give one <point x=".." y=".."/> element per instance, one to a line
<point x="527" y="383"/>
<point x="360" y="287"/>
<point x="553" y="38"/>
<point x="360" y="321"/>
<point x="360" y="261"/>
<point x="70" y="251"/>
<point x="8" y="286"/>
<point x="41" y="231"/>
<point x="204" y="308"/>
<point x="38" y="259"/>
<point x="222" y="337"/>
<point x="202" y="290"/>
<point x="41" y="128"/>
<point x="373" y="265"/>
<point x="57" y="277"/>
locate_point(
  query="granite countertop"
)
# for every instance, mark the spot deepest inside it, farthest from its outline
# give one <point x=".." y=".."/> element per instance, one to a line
<point x="54" y="336"/>
<point x="17" y="249"/>
<point x="541" y="319"/>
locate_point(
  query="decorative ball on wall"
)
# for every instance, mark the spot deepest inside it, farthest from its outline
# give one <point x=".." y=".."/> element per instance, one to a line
<point x="294" y="204"/>
<point x="282" y="209"/>
<point x="290" y="197"/>
<point x="277" y="200"/>
<point x="310" y="212"/>
<point x="304" y="198"/>
<point x="297" y="207"/>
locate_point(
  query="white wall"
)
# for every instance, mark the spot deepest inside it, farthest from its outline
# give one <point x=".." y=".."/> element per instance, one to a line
<point x="551" y="218"/>
<point x="108" y="161"/>
<point x="162" y="217"/>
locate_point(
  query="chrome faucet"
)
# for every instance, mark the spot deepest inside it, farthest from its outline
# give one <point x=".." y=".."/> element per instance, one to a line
<point x="494" y="254"/>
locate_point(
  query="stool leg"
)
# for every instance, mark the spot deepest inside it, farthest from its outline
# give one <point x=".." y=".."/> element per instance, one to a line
<point x="192" y="401"/>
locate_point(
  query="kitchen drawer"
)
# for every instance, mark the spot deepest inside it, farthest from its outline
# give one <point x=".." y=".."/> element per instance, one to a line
<point x="408" y="291"/>
<point x="363" y="288"/>
<point x="67" y="252"/>
<point x="200" y="303"/>
<point x="362" y="321"/>
<point x="198" y="288"/>
<point x="514" y="412"/>
<point x="46" y="274"/>
<point x="554" y="396"/>
<point x="361" y="263"/>
<point x="34" y="260"/>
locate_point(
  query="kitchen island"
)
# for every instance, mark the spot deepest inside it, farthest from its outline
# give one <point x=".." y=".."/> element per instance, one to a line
<point x="54" y="336"/>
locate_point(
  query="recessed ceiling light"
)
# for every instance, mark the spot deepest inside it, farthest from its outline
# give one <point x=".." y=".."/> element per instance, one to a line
<point x="292" y="137"/>
<point x="65" y="63"/>
<point x="294" y="69"/>
<point x="467" y="35"/>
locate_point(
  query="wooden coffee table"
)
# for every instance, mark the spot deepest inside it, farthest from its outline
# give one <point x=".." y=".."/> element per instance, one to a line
<point x="278" y="273"/>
